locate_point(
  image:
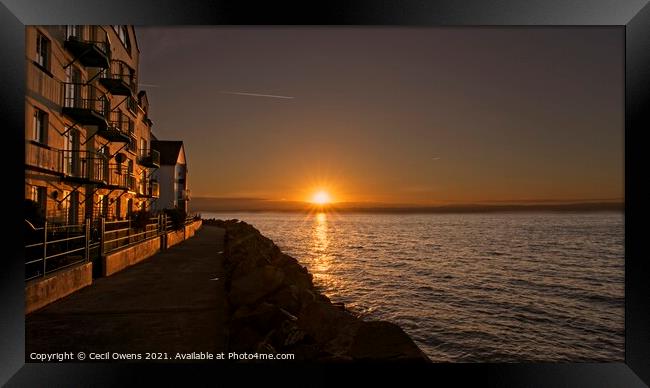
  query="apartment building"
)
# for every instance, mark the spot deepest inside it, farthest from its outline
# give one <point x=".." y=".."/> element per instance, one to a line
<point x="87" y="128"/>
<point x="172" y="175"/>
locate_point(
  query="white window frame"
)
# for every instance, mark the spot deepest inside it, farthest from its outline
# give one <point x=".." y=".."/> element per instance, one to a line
<point x="43" y="44"/>
<point x="39" y="126"/>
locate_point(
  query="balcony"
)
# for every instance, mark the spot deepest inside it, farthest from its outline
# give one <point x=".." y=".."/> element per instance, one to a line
<point x="42" y="157"/>
<point x="132" y="145"/>
<point x="85" y="104"/>
<point x="149" y="158"/>
<point x="84" y="166"/>
<point x="89" y="45"/>
<point x="119" y="128"/>
<point x="118" y="79"/>
<point x="120" y="178"/>
<point x="150" y="189"/>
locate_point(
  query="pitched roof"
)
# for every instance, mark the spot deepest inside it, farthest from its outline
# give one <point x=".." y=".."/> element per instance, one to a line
<point x="169" y="150"/>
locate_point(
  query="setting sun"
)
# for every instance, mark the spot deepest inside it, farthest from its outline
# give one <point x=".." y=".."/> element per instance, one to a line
<point x="321" y="198"/>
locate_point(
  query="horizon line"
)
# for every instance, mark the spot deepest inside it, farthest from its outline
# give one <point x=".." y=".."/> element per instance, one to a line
<point x="504" y="202"/>
<point x="308" y="208"/>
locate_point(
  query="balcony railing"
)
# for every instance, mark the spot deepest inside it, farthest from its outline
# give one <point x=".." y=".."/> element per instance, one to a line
<point x="89" y="45"/>
<point x="149" y="189"/>
<point x="119" y="128"/>
<point x="118" y="79"/>
<point x="132" y="144"/>
<point x="120" y="178"/>
<point x="149" y="158"/>
<point x="85" y="104"/>
<point x="42" y="157"/>
<point x="50" y="248"/>
<point x="84" y="166"/>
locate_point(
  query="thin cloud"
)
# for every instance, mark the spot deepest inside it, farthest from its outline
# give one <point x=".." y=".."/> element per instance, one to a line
<point x="256" y="95"/>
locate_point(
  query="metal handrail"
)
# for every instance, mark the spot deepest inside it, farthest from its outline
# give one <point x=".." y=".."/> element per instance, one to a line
<point x="91" y="35"/>
<point x="85" y="242"/>
<point x="84" y="164"/>
<point x="49" y="240"/>
<point x="119" y="175"/>
<point x="149" y="188"/>
<point x="132" y="238"/>
<point x="54" y="242"/>
<point x="85" y="96"/>
<point x="120" y="70"/>
<point x="149" y="155"/>
<point x="120" y="122"/>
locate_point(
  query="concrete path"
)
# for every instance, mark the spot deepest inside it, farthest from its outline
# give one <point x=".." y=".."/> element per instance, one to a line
<point x="167" y="303"/>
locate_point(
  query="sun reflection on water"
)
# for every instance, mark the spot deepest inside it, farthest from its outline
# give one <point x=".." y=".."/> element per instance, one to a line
<point x="320" y="241"/>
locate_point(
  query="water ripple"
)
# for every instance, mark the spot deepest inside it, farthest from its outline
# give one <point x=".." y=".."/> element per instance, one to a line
<point x="472" y="287"/>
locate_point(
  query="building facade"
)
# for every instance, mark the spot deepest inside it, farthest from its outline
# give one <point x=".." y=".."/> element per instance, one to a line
<point x="172" y="175"/>
<point x="87" y="129"/>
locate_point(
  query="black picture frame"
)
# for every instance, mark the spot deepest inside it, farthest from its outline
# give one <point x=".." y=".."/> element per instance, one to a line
<point x="633" y="16"/>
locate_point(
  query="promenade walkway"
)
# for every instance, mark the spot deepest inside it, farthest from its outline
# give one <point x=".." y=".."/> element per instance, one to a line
<point x="167" y="303"/>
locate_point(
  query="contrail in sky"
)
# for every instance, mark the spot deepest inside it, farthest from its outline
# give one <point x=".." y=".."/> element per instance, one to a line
<point x="256" y="95"/>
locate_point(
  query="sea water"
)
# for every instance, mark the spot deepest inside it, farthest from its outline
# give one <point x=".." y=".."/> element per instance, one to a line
<point x="496" y="287"/>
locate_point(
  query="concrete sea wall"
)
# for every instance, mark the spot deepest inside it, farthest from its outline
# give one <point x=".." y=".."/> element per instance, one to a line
<point x="123" y="258"/>
<point x="177" y="236"/>
<point x="174" y="237"/>
<point x="41" y="292"/>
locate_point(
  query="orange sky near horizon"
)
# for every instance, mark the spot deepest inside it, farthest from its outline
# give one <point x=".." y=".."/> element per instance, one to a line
<point x="422" y="116"/>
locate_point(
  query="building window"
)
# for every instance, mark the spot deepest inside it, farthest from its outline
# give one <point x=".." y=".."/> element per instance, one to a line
<point x="69" y="157"/>
<point x="43" y="51"/>
<point x="123" y="34"/>
<point x="143" y="147"/>
<point x="102" y="206"/>
<point x="67" y="139"/>
<point x="133" y="143"/>
<point x="39" y="126"/>
<point x="131" y="104"/>
<point x="64" y="206"/>
<point x="72" y="31"/>
<point x="38" y="194"/>
<point x="142" y="187"/>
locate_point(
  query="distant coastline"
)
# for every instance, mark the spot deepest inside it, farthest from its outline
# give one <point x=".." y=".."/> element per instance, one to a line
<point x="254" y="205"/>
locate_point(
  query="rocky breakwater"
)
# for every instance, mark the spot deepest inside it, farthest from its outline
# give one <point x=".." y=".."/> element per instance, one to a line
<point x="274" y="308"/>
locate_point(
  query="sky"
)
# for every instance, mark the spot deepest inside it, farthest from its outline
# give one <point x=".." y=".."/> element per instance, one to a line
<point x="398" y="115"/>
